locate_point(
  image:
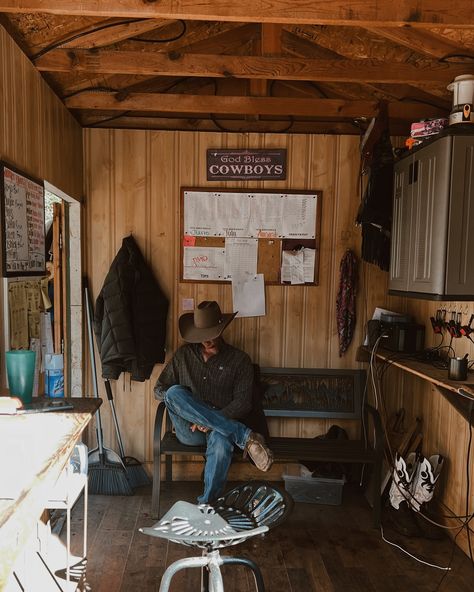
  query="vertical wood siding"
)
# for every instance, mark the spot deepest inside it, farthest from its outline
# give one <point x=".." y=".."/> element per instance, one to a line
<point x="133" y="186"/>
<point x="37" y="133"/>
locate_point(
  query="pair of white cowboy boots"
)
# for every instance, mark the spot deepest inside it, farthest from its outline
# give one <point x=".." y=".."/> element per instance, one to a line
<point x="413" y="485"/>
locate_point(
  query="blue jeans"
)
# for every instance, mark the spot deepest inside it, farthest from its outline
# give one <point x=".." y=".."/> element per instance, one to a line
<point x="184" y="410"/>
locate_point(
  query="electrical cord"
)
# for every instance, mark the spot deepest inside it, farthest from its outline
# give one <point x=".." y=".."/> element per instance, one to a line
<point x="447" y="568"/>
<point x="168" y="40"/>
<point x="59" y="44"/>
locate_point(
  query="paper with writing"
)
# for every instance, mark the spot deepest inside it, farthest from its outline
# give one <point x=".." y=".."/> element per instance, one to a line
<point x="299" y="216"/>
<point x="292" y="267"/>
<point x="309" y="258"/>
<point x="203" y="263"/>
<point x="23" y="224"/>
<point x="240" y="256"/>
<point x="266" y="214"/>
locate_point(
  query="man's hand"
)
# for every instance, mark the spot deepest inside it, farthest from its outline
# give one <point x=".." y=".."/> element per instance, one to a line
<point x="195" y="427"/>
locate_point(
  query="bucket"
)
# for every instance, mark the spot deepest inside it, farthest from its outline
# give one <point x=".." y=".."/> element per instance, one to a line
<point x="463" y="99"/>
<point x="54" y="375"/>
<point x="21" y="373"/>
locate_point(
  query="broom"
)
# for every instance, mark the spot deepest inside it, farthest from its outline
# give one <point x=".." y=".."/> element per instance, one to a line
<point x="136" y="474"/>
<point x="107" y="473"/>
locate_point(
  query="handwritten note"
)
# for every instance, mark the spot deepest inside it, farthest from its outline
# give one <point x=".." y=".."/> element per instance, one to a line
<point x="203" y="263"/>
<point x="23" y="225"/>
<point x="299" y="216"/>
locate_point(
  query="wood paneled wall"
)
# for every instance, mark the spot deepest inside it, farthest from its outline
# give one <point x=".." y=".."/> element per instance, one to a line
<point x="37" y="133"/>
<point x="133" y="180"/>
<point x="133" y="186"/>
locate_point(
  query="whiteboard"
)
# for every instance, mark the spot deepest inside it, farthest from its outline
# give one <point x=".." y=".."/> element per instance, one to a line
<point x="23" y="232"/>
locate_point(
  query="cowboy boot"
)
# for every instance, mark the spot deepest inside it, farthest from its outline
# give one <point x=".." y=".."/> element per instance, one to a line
<point x="402" y="518"/>
<point x="422" y="491"/>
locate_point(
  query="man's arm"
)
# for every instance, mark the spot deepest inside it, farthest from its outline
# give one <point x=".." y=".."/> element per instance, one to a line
<point x="241" y="403"/>
<point x="168" y="377"/>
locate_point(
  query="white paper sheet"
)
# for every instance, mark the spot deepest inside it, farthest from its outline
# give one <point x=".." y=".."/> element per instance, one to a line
<point x="232" y="214"/>
<point x="292" y="267"/>
<point x="299" y="216"/>
<point x="265" y="214"/>
<point x="240" y="257"/>
<point x="248" y="295"/>
<point x="199" y="213"/>
<point x="309" y="258"/>
<point x="203" y="263"/>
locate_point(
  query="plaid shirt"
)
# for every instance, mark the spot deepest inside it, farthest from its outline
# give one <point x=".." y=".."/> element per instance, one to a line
<point x="224" y="381"/>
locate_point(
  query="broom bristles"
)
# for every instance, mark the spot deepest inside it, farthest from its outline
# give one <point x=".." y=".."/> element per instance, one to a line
<point x="136" y="474"/>
<point x="106" y="478"/>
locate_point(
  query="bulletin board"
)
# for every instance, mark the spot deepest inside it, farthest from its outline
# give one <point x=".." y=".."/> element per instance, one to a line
<point x="22" y="209"/>
<point x="225" y="230"/>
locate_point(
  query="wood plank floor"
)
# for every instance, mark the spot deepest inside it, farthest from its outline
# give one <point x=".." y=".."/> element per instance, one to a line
<point x="319" y="548"/>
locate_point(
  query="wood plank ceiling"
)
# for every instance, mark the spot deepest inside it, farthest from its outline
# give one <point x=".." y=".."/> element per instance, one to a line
<point x="274" y="66"/>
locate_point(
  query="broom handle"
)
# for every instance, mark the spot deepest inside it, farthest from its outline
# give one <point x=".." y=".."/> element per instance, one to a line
<point x="93" y="366"/>
<point x="110" y="397"/>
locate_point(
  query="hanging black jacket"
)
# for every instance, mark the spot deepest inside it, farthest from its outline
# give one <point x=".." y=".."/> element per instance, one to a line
<point x="130" y="316"/>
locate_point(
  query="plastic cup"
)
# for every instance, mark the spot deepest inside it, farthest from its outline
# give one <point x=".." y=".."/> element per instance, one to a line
<point x="21" y="373"/>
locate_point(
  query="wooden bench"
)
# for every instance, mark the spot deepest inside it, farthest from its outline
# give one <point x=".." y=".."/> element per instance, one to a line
<point x="297" y="393"/>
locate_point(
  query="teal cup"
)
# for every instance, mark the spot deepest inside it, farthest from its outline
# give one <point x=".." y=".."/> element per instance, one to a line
<point x="21" y="373"/>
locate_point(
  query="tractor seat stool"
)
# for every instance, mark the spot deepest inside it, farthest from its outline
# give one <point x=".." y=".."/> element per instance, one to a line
<point x="247" y="510"/>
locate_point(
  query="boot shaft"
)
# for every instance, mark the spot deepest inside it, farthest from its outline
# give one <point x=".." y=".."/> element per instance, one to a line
<point x="403" y="474"/>
<point x="424" y="481"/>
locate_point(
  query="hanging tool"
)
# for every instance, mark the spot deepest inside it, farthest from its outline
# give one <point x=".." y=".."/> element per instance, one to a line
<point x="107" y="474"/>
<point x="136" y="474"/>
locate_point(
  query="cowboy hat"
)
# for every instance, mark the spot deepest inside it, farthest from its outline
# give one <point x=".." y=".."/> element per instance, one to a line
<point x="205" y="323"/>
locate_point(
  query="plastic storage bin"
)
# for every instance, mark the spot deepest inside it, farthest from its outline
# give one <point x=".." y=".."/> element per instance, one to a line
<point x="312" y="490"/>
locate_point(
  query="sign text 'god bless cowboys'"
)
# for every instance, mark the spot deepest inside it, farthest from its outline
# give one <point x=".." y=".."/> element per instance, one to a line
<point x="229" y="164"/>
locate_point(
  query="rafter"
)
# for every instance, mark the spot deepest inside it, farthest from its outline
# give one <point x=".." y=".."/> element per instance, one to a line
<point x="197" y="104"/>
<point x="342" y="12"/>
<point x="108" y="33"/>
<point x="125" y="121"/>
<point x="208" y="65"/>
<point x="423" y="42"/>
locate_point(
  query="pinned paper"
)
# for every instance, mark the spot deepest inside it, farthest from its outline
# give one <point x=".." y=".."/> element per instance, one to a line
<point x="292" y="267"/>
<point x="248" y="295"/>
<point x="189" y="241"/>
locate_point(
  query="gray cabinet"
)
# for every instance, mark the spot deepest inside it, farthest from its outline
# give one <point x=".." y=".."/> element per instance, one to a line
<point x="433" y="221"/>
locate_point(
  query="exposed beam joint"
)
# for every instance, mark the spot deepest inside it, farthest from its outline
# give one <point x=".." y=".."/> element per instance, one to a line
<point x="252" y="67"/>
<point x="455" y="13"/>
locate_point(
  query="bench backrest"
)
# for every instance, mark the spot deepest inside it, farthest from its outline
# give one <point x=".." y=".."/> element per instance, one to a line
<point x="312" y="392"/>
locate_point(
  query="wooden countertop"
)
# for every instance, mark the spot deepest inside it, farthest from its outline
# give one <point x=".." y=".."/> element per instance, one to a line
<point x="452" y="390"/>
<point x="34" y="449"/>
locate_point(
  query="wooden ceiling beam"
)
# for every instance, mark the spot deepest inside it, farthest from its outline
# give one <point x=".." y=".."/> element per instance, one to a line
<point x="269" y="44"/>
<point x="88" y="119"/>
<point x="424" y="42"/>
<point x="114" y="33"/>
<point x="217" y="66"/>
<point x="455" y="13"/>
<point x="244" y="105"/>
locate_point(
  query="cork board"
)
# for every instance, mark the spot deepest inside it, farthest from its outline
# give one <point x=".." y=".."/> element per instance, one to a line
<point x="280" y="227"/>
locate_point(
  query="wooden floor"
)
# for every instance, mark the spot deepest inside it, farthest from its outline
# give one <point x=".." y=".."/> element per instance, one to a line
<point x="319" y="548"/>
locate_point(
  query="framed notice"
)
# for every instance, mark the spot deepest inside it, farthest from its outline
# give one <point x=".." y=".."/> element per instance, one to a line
<point x="23" y="232"/>
<point x="231" y="234"/>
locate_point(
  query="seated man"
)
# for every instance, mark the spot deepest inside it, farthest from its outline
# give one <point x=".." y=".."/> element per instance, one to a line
<point x="206" y="387"/>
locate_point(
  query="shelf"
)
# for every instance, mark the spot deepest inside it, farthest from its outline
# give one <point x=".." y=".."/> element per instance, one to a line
<point x="452" y="390"/>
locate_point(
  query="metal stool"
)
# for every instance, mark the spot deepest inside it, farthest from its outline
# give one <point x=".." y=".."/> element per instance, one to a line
<point x="243" y="512"/>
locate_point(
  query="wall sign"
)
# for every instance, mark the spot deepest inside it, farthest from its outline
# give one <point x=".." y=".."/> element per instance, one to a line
<point x="233" y="164"/>
<point x="22" y="207"/>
